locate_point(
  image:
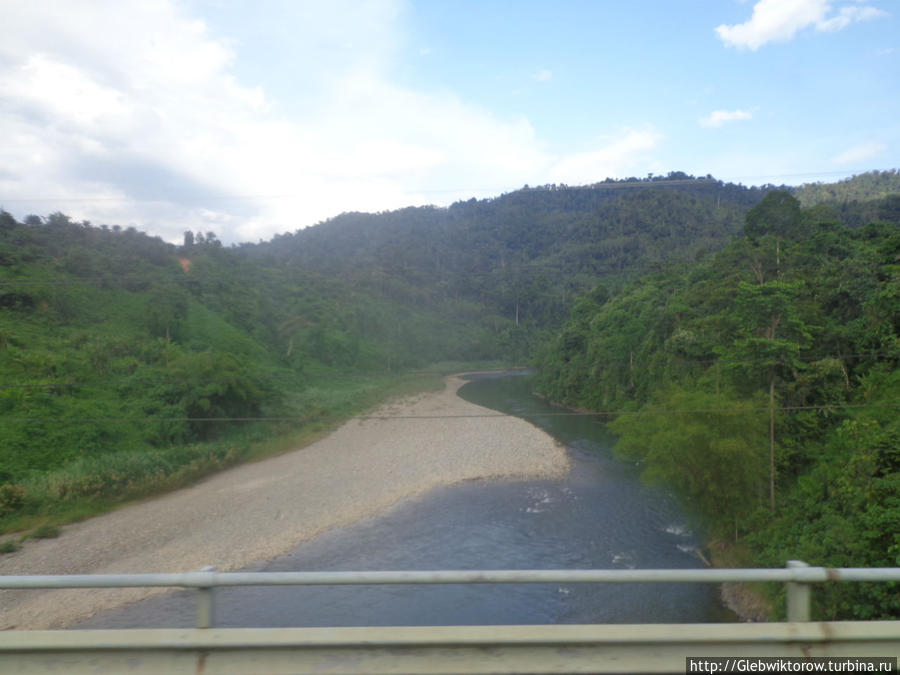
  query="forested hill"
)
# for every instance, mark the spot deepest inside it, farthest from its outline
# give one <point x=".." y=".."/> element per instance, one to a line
<point x="859" y="200"/>
<point x="762" y="383"/>
<point x="865" y="187"/>
<point x="528" y="254"/>
<point x="116" y="348"/>
<point x="127" y="363"/>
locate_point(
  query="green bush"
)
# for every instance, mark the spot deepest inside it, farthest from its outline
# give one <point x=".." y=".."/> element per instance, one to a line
<point x="46" y="532"/>
<point x="11" y="499"/>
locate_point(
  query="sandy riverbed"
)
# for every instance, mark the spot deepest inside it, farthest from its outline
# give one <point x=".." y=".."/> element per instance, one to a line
<point x="262" y="510"/>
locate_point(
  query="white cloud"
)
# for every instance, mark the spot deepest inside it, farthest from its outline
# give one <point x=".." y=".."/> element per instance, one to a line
<point x="773" y="20"/>
<point x="859" y="153"/>
<point x="150" y="126"/>
<point x="719" y="117"/>
<point x="614" y="156"/>
<point x="848" y="15"/>
<point x="543" y="75"/>
<point x="781" y="20"/>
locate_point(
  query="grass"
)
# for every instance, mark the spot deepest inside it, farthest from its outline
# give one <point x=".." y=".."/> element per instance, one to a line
<point x="46" y="531"/>
<point x="90" y="486"/>
<point x="9" y="546"/>
<point x="752" y="598"/>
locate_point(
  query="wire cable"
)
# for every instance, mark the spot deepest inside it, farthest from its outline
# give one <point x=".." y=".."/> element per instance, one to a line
<point x="527" y="270"/>
<point x="126" y="380"/>
<point x="498" y="415"/>
<point x="656" y="181"/>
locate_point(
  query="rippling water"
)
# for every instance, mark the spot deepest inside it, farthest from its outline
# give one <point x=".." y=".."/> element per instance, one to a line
<point x="599" y="516"/>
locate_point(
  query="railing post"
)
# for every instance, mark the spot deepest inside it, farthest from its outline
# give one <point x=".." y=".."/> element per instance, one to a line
<point x="798" y="595"/>
<point x="205" y="603"/>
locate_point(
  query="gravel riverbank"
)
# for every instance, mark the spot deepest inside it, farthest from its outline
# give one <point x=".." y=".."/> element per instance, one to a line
<point x="261" y="510"/>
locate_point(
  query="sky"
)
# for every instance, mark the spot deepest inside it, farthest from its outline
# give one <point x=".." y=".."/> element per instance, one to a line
<point x="255" y="117"/>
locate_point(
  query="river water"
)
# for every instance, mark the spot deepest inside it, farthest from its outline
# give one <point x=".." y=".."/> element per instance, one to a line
<point x="599" y="516"/>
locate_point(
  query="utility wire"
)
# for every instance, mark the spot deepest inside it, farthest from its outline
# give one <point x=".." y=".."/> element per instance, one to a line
<point x="547" y="187"/>
<point x="105" y="382"/>
<point x="678" y="361"/>
<point x="603" y="413"/>
<point x="659" y="181"/>
<point x="527" y="269"/>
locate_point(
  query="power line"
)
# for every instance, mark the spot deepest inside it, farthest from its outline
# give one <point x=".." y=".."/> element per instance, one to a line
<point x="676" y="360"/>
<point x="125" y="380"/>
<point x="660" y="181"/>
<point x="621" y="413"/>
<point x="386" y="418"/>
<point x="524" y="269"/>
<point x="239" y="197"/>
<point x="806" y="173"/>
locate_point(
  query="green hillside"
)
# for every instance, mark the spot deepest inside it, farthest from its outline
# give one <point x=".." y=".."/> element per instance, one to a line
<point x="525" y="255"/>
<point x="129" y="365"/>
<point x="762" y="384"/>
<point x="859" y="200"/>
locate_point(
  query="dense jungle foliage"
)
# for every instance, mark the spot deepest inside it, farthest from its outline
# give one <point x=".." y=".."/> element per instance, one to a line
<point x="527" y="255"/>
<point x="770" y="325"/>
<point x="857" y="201"/>
<point x="121" y="356"/>
<point x="116" y="349"/>
<point x="761" y="382"/>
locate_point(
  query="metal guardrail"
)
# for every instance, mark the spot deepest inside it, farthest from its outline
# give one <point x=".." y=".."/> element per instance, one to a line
<point x="585" y="648"/>
<point x="797" y="576"/>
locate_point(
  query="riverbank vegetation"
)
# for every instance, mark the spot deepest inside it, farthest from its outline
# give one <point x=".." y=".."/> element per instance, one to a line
<point x="761" y="382"/>
<point x="129" y="365"/>
<point x="745" y="339"/>
<point x="94" y="483"/>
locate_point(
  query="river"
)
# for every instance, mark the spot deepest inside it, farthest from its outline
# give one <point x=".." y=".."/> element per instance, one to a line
<point x="599" y="516"/>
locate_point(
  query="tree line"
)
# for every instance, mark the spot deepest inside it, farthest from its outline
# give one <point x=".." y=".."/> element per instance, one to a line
<point x="762" y="383"/>
<point x="760" y="318"/>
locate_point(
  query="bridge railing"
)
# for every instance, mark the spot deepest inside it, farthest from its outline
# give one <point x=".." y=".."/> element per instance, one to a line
<point x="618" y="648"/>
<point x="797" y="576"/>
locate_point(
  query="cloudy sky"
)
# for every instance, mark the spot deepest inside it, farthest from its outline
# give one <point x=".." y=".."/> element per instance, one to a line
<point x="253" y="117"/>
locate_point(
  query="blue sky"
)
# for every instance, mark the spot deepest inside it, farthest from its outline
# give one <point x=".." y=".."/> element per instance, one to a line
<point x="251" y="118"/>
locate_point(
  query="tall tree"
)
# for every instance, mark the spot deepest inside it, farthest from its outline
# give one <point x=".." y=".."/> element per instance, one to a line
<point x="771" y="335"/>
<point x="778" y="215"/>
<point x="708" y="446"/>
